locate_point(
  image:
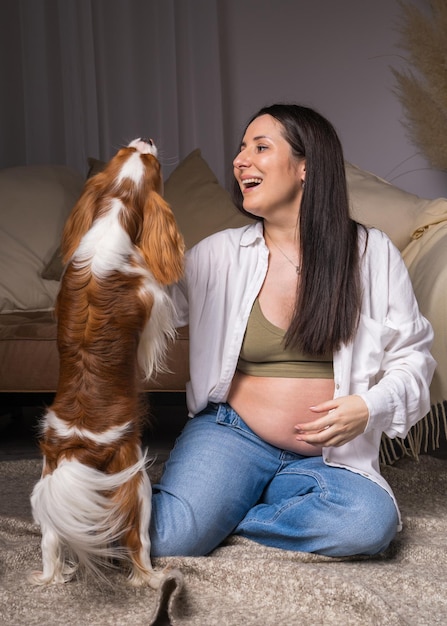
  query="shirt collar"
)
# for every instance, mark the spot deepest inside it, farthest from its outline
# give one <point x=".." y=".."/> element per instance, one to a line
<point x="253" y="233"/>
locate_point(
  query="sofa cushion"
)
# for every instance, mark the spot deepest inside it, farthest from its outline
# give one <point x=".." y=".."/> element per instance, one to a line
<point x="375" y="202"/>
<point x="34" y="204"/>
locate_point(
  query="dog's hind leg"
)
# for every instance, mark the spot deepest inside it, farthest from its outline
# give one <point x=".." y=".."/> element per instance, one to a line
<point x="54" y="569"/>
<point x="137" y="540"/>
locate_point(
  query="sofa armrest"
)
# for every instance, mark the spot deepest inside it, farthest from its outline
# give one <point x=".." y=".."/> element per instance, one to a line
<point x="426" y="260"/>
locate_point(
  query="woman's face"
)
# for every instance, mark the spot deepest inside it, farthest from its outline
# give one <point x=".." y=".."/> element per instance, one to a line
<point x="269" y="176"/>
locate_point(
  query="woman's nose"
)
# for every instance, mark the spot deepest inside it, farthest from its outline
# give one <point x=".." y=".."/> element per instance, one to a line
<point x="241" y="159"/>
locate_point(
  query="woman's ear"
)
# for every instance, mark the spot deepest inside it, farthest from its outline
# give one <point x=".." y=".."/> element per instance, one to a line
<point x="302" y="168"/>
<point x="161" y="243"/>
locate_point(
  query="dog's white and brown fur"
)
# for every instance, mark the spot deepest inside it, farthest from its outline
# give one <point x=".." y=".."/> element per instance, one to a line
<point x="120" y="246"/>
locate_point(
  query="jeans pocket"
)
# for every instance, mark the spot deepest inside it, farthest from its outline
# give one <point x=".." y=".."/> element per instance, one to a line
<point x="227" y="416"/>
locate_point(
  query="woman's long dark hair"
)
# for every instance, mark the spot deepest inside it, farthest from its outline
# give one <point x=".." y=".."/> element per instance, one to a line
<point x="328" y="301"/>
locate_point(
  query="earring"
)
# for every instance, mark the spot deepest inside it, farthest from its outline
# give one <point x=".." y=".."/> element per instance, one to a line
<point x="303" y="184"/>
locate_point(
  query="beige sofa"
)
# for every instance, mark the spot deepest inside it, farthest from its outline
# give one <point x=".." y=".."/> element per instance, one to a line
<point x="35" y="201"/>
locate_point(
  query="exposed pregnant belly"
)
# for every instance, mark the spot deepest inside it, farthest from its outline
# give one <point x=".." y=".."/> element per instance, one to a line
<point x="272" y="407"/>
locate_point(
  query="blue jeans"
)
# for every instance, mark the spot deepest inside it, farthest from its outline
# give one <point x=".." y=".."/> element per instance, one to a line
<point x="222" y="479"/>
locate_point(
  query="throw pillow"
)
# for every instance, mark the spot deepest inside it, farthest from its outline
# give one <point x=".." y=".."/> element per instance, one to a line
<point x="35" y="201"/>
<point x="95" y="166"/>
<point x="54" y="268"/>
<point x="375" y="202"/>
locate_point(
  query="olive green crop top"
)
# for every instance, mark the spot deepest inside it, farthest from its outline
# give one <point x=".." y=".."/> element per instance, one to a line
<point x="263" y="353"/>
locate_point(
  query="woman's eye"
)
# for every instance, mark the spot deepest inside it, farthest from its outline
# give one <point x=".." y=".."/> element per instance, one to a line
<point x="261" y="148"/>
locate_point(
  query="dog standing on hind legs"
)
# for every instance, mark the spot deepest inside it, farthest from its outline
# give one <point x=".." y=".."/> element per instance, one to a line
<point x="120" y="248"/>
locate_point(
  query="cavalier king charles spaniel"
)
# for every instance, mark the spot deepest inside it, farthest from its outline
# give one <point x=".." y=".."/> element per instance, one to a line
<point x="120" y="248"/>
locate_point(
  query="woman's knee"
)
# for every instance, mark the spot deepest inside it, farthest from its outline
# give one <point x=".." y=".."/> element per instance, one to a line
<point x="176" y="530"/>
<point x="184" y="542"/>
<point x="173" y="531"/>
<point x="382" y="530"/>
<point x="368" y="530"/>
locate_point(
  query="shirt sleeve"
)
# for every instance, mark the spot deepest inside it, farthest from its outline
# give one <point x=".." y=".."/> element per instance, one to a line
<point x="179" y="295"/>
<point x="401" y="397"/>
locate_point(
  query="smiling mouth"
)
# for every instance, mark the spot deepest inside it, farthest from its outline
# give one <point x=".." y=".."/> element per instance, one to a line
<point x="249" y="183"/>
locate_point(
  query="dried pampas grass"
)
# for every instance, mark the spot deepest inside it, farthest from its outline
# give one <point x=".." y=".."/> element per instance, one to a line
<point x="422" y="90"/>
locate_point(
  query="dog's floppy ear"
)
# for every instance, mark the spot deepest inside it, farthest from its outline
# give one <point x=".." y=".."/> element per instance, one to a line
<point x="81" y="218"/>
<point x="161" y="243"/>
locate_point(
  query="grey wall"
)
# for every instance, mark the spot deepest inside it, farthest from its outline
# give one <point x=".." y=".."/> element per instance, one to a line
<point x="79" y="76"/>
<point x="334" y="55"/>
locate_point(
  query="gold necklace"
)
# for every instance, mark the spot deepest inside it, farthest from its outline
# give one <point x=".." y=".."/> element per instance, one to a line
<point x="297" y="267"/>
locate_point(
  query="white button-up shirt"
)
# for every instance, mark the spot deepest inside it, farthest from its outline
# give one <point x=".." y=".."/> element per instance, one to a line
<point x="388" y="363"/>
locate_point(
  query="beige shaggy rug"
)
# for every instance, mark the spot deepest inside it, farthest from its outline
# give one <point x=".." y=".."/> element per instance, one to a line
<point x="243" y="583"/>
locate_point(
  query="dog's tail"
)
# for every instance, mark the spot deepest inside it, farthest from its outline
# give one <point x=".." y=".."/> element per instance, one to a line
<point x="72" y="504"/>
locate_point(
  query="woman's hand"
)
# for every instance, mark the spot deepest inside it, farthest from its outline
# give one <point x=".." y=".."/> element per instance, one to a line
<point x="344" y="418"/>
